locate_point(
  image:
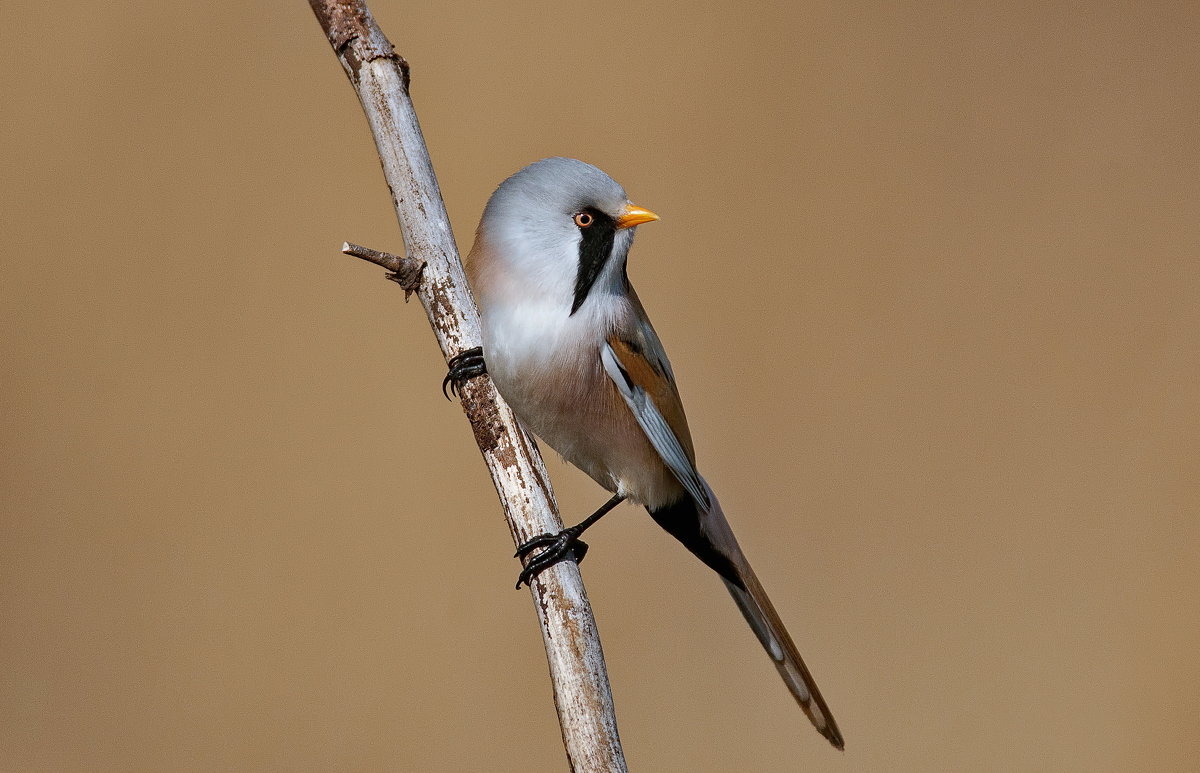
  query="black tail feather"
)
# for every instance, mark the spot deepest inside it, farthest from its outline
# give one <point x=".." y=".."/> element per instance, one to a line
<point x="706" y="533"/>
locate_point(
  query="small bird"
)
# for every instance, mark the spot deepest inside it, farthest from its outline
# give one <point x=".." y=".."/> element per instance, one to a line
<point x="570" y="348"/>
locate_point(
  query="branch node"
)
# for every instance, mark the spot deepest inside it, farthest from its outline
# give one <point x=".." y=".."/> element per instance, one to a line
<point x="402" y="270"/>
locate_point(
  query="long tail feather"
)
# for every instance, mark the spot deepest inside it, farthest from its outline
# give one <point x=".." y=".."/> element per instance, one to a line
<point x="708" y="535"/>
<point x="765" y="622"/>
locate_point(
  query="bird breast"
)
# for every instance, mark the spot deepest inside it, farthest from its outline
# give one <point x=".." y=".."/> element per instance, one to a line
<point x="546" y="364"/>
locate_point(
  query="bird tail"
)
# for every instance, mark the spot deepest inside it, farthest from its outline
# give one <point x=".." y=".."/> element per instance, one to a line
<point x="765" y="622"/>
<point x="709" y="536"/>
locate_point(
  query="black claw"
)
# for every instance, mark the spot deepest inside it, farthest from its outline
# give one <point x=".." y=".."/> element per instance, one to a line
<point x="540" y="541"/>
<point x="466" y="365"/>
<point x="557" y="547"/>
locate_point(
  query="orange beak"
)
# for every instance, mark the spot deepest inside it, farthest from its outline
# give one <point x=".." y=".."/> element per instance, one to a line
<point x="635" y="215"/>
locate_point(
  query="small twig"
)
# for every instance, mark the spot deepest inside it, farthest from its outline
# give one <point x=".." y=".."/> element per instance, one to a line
<point x="405" y="272"/>
<point x="577" y="670"/>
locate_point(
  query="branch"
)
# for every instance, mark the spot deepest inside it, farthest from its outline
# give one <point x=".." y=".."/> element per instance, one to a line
<point x="380" y="78"/>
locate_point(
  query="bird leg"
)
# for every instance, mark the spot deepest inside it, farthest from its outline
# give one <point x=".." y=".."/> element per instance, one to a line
<point x="557" y="547"/>
<point x="464" y="366"/>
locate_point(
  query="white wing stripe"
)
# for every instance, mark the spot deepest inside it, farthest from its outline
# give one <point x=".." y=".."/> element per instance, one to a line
<point x="658" y="432"/>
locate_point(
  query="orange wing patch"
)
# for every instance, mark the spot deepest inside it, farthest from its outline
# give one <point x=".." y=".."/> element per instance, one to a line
<point x="660" y="388"/>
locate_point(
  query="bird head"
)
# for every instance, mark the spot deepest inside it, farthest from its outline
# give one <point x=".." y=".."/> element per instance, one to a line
<point x="562" y="229"/>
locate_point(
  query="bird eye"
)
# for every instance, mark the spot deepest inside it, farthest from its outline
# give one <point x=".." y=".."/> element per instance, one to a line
<point x="584" y="219"/>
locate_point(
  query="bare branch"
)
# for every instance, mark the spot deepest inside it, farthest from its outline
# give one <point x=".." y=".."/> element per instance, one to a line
<point x="380" y="78"/>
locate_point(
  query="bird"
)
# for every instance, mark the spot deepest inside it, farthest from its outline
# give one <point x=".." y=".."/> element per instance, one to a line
<point x="569" y="346"/>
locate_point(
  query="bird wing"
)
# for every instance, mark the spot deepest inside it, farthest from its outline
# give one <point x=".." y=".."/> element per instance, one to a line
<point x="648" y="388"/>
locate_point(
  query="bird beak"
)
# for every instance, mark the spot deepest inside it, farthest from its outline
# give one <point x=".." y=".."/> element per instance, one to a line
<point x="635" y="215"/>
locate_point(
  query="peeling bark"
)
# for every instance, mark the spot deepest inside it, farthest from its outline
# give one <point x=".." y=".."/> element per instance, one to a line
<point x="433" y="270"/>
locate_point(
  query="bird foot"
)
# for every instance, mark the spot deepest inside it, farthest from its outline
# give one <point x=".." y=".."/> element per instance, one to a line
<point x="556" y="547"/>
<point x="466" y="365"/>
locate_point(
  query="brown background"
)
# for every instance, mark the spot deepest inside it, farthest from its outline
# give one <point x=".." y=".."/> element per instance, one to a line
<point x="928" y="278"/>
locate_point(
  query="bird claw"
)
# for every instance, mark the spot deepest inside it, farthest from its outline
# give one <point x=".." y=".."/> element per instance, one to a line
<point x="464" y="366"/>
<point x="556" y="547"/>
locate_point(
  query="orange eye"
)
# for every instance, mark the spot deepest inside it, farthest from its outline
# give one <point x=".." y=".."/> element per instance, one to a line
<point x="583" y="220"/>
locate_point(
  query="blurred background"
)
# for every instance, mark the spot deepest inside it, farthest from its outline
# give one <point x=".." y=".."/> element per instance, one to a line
<point x="928" y="278"/>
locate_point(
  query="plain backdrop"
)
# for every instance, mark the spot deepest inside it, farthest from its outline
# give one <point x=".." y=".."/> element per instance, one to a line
<point x="928" y="274"/>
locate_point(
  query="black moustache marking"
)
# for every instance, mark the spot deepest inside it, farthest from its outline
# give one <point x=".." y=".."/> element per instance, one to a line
<point x="595" y="248"/>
